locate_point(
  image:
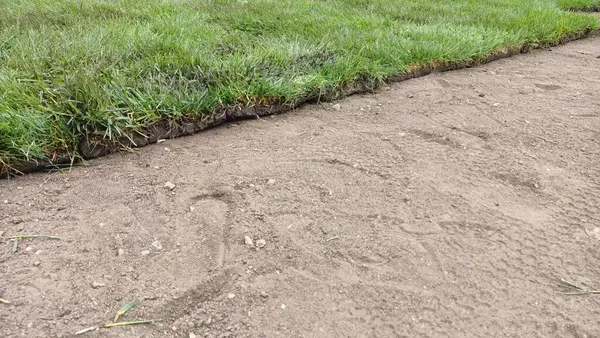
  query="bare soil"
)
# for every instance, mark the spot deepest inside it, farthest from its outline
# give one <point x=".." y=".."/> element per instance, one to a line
<point x="445" y="206"/>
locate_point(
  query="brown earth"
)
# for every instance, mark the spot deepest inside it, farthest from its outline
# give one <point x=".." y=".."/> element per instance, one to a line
<point x="446" y="206"/>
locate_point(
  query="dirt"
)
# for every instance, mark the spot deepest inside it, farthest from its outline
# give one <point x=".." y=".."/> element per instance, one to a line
<point x="445" y="206"/>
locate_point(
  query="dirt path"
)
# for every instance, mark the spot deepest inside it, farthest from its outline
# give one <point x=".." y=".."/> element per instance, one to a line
<point x="446" y="206"/>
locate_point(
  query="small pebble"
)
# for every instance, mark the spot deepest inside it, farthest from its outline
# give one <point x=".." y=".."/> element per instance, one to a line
<point x="145" y="252"/>
<point x="264" y="294"/>
<point x="271" y="182"/>
<point x="410" y="96"/>
<point x="192" y="335"/>
<point x="337" y="107"/>
<point x="248" y="241"/>
<point x="170" y="185"/>
<point x="96" y="285"/>
<point x="36" y="263"/>
<point x="283" y="306"/>
<point x="157" y="245"/>
<point x="29" y="325"/>
<point x="120" y="252"/>
<point x="231" y="296"/>
<point x="481" y="95"/>
<point x="261" y="243"/>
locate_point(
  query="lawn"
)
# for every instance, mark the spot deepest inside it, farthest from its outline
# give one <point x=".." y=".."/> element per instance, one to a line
<point x="105" y="71"/>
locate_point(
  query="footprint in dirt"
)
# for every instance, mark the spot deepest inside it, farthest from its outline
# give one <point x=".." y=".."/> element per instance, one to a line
<point x="200" y="248"/>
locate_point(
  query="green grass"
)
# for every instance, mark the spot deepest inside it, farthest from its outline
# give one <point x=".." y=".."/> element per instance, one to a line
<point x="72" y="70"/>
<point x="580" y="5"/>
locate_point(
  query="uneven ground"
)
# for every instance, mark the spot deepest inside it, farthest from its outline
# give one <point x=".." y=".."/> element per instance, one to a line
<point x="446" y="206"/>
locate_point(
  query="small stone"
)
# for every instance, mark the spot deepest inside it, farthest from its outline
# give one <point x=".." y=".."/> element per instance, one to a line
<point x="192" y="335"/>
<point x="174" y="328"/>
<point x="145" y="252"/>
<point x="271" y="182"/>
<point x="29" y="325"/>
<point x="337" y="107"/>
<point x="410" y="96"/>
<point x="96" y="285"/>
<point x="192" y="208"/>
<point x="167" y="149"/>
<point x="28" y="249"/>
<point x="481" y="95"/>
<point x="38" y="252"/>
<point x="120" y="252"/>
<point x="157" y="245"/>
<point x="5" y="201"/>
<point x="170" y="185"/>
<point x="208" y="321"/>
<point x="283" y="306"/>
<point x="248" y="241"/>
<point x="496" y="104"/>
<point x="264" y="294"/>
<point x="231" y="295"/>
<point x="261" y="243"/>
<point x="36" y="263"/>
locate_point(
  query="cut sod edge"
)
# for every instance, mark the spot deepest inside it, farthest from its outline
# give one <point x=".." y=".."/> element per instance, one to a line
<point x="93" y="147"/>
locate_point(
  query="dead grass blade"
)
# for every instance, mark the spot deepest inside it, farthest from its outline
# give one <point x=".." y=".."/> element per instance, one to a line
<point x="21" y="237"/>
<point x="125" y="308"/>
<point x="89" y="329"/>
<point x="17" y="238"/>
<point x="134" y="322"/>
<point x="574" y="290"/>
<point x="4" y="301"/>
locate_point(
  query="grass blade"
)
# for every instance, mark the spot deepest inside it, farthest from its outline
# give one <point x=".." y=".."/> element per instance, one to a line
<point x="125" y="308"/>
<point x="4" y="301"/>
<point x="20" y="237"/>
<point x="135" y="322"/>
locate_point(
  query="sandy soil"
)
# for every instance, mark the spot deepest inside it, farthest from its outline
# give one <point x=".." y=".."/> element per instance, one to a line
<point x="446" y="206"/>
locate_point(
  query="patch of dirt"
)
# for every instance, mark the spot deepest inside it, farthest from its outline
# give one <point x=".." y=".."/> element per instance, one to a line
<point x="444" y="206"/>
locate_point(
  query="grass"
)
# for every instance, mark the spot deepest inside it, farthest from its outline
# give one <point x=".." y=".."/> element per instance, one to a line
<point x="580" y="5"/>
<point x="106" y="70"/>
